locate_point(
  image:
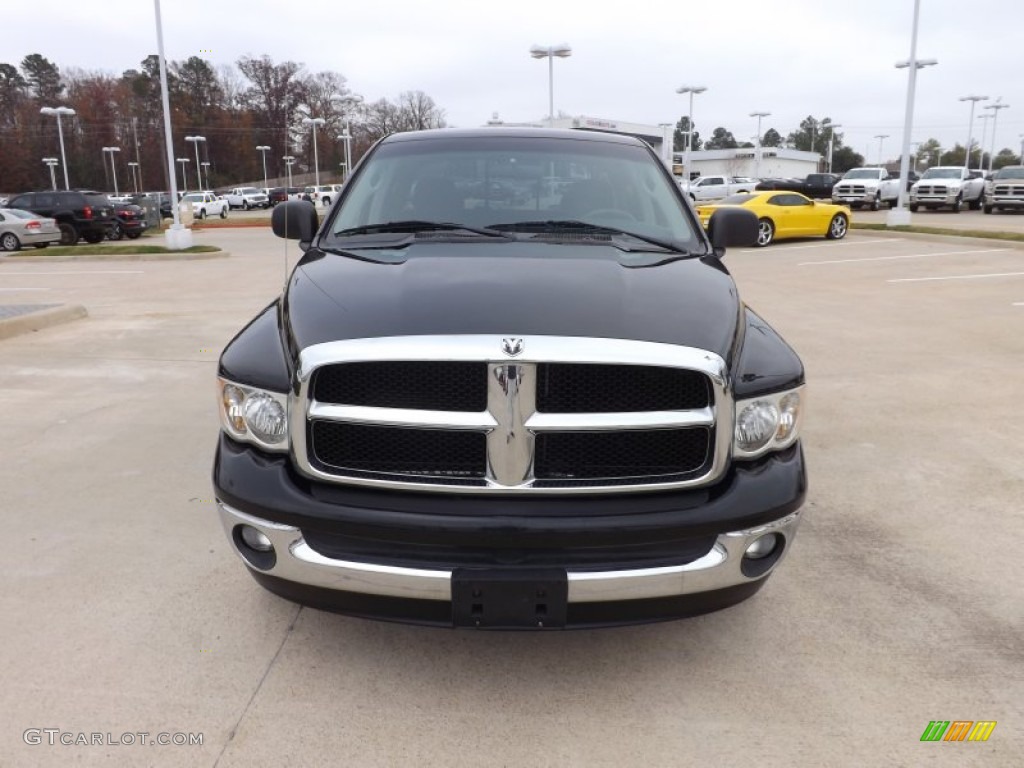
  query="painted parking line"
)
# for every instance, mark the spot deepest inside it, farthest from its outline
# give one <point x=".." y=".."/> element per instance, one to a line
<point x="954" y="277"/>
<point x="823" y="244"/>
<point x="12" y="290"/>
<point x="903" y="256"/>
<point x="4" y="272"/>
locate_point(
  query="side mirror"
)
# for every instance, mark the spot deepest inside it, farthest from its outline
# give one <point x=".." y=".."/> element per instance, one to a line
<point x="730" y="227"/>
<point x="295" y="220"/>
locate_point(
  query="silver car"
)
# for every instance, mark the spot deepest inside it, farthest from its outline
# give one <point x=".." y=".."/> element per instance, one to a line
<point x="18" y="228"/>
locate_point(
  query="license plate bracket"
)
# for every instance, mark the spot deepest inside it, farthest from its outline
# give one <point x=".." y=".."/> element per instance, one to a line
<point x="510" y="598"/>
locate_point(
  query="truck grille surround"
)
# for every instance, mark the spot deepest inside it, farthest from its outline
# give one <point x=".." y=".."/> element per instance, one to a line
<point x="486" y="414"/>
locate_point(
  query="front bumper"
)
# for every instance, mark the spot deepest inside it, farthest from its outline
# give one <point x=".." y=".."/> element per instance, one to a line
<point x="423" y="544"/>
<point x="935" y="199"/>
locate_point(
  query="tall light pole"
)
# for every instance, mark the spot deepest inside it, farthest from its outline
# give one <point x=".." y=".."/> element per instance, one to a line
<point x="184" y="178"/>
<point x="757" y="158"/>
<point x="178" y="237"/>
<point x="135" y="182"/>
<point x="1021" y="137"/>
<point x="315" y="121"/>
<point x="549" y="52"/>
<point x="58" y="111"/>
<point x="690" y="89"/>
<point x="113" y="168"/>
<point x="981" y="144"/>
<point x="831" y="137"/>
<point x="995" y="119"/>
<point x="881" y="138"/>
<point x="263" y="149"/>
<point x="206" y="172"/>
<point x="347" y="138"/>
<point x="970" y="127"/>
<point x="52" y="161"/>
<point x="195" y="140"/>
<point x="289" y="161"/>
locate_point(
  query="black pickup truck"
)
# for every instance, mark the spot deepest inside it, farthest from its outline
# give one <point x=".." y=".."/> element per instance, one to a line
<point x="543" y="409"/>
<point x="815" y="185"/>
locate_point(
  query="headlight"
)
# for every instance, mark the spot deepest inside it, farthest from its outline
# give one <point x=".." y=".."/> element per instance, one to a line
<point x="254" y="415"/>
<point x="767" y="423"/>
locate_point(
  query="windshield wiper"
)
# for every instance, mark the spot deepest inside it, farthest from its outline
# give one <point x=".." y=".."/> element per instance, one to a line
<point x="413" y="226"/>
<point x="562" y="226"/>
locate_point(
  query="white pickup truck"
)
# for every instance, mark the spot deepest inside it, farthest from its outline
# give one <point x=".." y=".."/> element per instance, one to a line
<point x="948" y="186"/>
<point x="1005" y="190"/>
<point x="715" y="187"/>
<point x="206" y="204"/>
<point x="247" y="197"/>
<point x="860" y="187"/>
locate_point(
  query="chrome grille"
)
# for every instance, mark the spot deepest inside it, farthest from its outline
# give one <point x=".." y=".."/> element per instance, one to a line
<point x="457" y="413"/>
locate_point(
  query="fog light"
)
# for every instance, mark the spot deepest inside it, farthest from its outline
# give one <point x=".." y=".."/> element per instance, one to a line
<point x="762" y="547"/>
<point x="256" y="539"/>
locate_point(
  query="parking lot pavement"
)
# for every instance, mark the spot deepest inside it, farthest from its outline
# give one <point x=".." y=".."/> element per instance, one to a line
<point x="1002" y="221"/>
<point x="125" y="610"/>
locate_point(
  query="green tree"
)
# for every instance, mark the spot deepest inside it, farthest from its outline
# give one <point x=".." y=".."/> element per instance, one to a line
<point x="12" y="93"/>
<point x="43" y="77"/>
<point x="771" y="138"/>
<point x="721" y="139"/>
<point x="679" y="136"/>
<point x="844" y="158"/>
<point x="1005" y="157"/>
<point x="197" y="90"/>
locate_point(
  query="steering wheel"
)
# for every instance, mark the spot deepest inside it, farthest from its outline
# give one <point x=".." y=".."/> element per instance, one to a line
<point x="611" y="213"/>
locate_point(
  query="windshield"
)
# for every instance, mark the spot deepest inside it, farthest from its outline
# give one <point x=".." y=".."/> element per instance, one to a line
<point x="540" y="183"/>
<point x="250" y="191"/>
<point x="862" y="173"/>
<point x="1010" y="173"/>
<point x="942" y="173"/>
<point x="193" y="197"/>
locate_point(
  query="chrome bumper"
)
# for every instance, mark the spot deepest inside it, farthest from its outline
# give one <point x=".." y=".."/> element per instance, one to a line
<point x="297" y="562"/>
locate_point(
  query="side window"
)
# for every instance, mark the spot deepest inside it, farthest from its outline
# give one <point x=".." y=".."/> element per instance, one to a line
<point x="43" y="201"/>
<point x="778" y="200"/>
<point x="21" y="201"/>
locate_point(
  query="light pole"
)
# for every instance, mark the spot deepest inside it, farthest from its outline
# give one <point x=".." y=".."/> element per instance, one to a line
<point x="970" y="127"/>
<point x="113" y="168"/>
<point x="263" y="149"/>
<point x="52" y="161"/>
<point x="690" y="89"/>
<point x="58" y="111"/>
<point x="206" y="172"/>
<point x="1021" y="137"/>
<point x="135" y="183"/>
<point x="995" y="119"/>
<point x="195" y="140"/>
<point x="549" y="52"/>
<point x="347" y="138"/>
<point x="315" y="121"/>
<point x="831" y="136"/>
<point x="881" y="138"/>
<point x="289" y="161"/>
<point x="981" y="144"/>
<point x="178" y="237"/>
<point x="757" y="158"/>
<point x="184" y="178"/>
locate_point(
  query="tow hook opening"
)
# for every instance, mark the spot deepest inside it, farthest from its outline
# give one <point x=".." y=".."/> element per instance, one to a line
<point x="762" y="554"/>
<point x="254" y="546"/>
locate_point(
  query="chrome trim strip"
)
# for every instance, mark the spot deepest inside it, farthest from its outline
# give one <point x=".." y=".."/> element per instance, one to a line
<point x="512" y="403"/>
<point x="718" y="569"/>
<point x="402" y="417"/>
<point x="586" y="422"/>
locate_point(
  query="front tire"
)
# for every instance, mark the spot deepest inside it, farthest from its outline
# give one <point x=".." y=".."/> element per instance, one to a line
<point x="838" y="227"/>
<point x="974" y="204"/>
<point x="116" y="232"/>
<point x="245" y="205"/>
<point x="957" y="205"/>
<point x="876" y="203"/>
<point x="93" y="237"/>
<point x="765" y="232"/>
<point x="10" y="242"/>
<point x="202" y="214"/>
<point x="133" y="235"/>
<point x="986" y="209"/>
<point x="224" y="212"/>
<point x="914" y="207"/>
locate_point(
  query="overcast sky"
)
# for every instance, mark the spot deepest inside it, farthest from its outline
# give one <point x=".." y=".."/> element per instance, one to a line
<point x="789" y="57"/>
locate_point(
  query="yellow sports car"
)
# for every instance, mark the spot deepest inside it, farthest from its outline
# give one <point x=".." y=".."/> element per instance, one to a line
<point x="786" y="214"/>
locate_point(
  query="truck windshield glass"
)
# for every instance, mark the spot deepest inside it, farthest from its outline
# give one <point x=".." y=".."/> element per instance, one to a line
<point x="1010" y="173"/>
<point x="942" y="173"/>
<point x="862" y="173"/>
<point x="502" y="181"/>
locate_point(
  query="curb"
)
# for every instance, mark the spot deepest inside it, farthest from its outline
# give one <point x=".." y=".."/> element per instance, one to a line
<point x="44" y="318"/>
<point x="119" y="257"/>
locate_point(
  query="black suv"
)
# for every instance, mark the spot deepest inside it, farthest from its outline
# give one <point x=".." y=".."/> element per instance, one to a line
<point x="80" y="214"/>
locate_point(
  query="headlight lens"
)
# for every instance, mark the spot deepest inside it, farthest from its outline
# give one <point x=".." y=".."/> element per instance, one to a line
<point x="254" y="415"/>
<point x="767" y="423"/>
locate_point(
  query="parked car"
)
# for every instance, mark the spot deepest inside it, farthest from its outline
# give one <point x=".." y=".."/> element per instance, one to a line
<point x="206" y="204"/>
<point x="1005" y="190"/>
<point x="717" y="187"/>
<point x="129" y="221"/>
<point x="948" y="186"/>
<point x="782" y="215"/>
<point x="80" y="214"/>
<point x="814" y="185"/>
<point x="246" y="198"/>
<point x="18" y="228"/>
<point x="604" y="435"/>
<point x="283" y="194"/>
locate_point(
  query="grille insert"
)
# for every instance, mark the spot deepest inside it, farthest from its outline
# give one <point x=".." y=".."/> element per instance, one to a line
<point x="651" y="455"/>
<point x="602" y="388"/>
<point x="429" y="386"/>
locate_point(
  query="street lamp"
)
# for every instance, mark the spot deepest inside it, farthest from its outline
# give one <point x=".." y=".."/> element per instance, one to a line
<point x="195" y="140"/>
<point x="184" y="178"/>
<point x="757" y="158"/>
<point x="113" y="168"/>
<point x="690" y="89"/>
<point x="206" y="171"/>
<point x="995" y="119"/>
<point x="347" y="138"/>
<point x="135" y="183"/>
<point x="52" y="161"/>
<point x="981" y="144"/>
<point x="263" y="149"/>
<point x="178" y="237"/>
<point x="549" y="52"/>
<point x="881" y="138"/>
<point x="831" y="135"/>
<point x="970" y="126"/>
<point x="58" y="111"/>
<point x="315" y="121"/>
<point x="289" y="161"/>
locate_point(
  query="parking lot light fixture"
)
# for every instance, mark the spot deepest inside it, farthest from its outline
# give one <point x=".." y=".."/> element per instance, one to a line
<point x="263" y="149"/>
<point x="692" y="90"/>
<point x="314" y="122"/>
<point x="184" y="178"/>
<point x="195" y="140"/>
<point x="881" y="138"/>
<point x="289" y="161"/>
<point x="970" y="127"/>
<point x="135" y="182"/>
<point x="995" y="119"/>
<point x="757" y="157"/>
<point x="347" y="138"/>
<point x="113" y="167"/>
<point x="51" y="162"/>
<point x="562" y="51"/>
<point x="981" y="144"/>
<point x="831" y="136"/>
<point x="206" y="172"/>
<point x="58" y="111"/>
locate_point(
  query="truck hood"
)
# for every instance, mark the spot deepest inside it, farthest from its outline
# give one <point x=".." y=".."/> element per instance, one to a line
<point x="512" y="289"/>
<point x="867" y="183"/>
